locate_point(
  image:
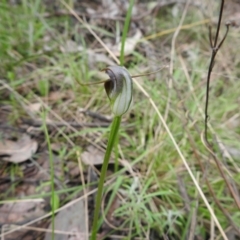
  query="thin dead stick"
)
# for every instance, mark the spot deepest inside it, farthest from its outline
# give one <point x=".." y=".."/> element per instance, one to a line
<point x="192" y="91"/>
<point x="37" y="229"/>
<point x="168" y="31"/>
<point x="53" y="124"/>
<point x="194" y="147"/>
<point x="207" y="144"/>
<point x="37" y="200"/>
<point x="84" y="191"/>
<point x="215" y="49"/>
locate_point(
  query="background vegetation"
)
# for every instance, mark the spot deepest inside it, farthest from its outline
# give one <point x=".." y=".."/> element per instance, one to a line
<point x="45" y="49"/>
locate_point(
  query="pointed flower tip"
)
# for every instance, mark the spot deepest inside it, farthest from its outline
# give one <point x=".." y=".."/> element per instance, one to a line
<point x="119" y="89"/>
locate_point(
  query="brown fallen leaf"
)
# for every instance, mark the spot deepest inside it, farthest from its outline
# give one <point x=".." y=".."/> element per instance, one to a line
<point x="34" y="107"/>
<point x="93" y="156"/>
<point x="16" y="212"/>
<point x="17" y="151"/>
<point x="71" y="219"/>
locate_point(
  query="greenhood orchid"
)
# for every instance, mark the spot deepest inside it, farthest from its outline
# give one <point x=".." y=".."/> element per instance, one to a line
<point x="119" y="89"/>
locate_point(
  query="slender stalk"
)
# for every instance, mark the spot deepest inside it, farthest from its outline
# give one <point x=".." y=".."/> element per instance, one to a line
<point x="112" y="138"/>
<point x="51" y="173"/>
<point x="125" y="30"/>
<point x="116" y="165"/>
<point x="215" y="48"/>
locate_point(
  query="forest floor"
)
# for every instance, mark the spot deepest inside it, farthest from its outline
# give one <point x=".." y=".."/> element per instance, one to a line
<point x="53" y="132"/>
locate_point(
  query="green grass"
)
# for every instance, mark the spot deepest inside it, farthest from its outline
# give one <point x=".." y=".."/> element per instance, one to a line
<point x="33" y="64"/>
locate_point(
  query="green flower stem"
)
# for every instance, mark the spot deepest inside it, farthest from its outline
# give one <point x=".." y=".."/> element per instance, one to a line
<point x="125" y="30"/>
<point x="111" y="140"/>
